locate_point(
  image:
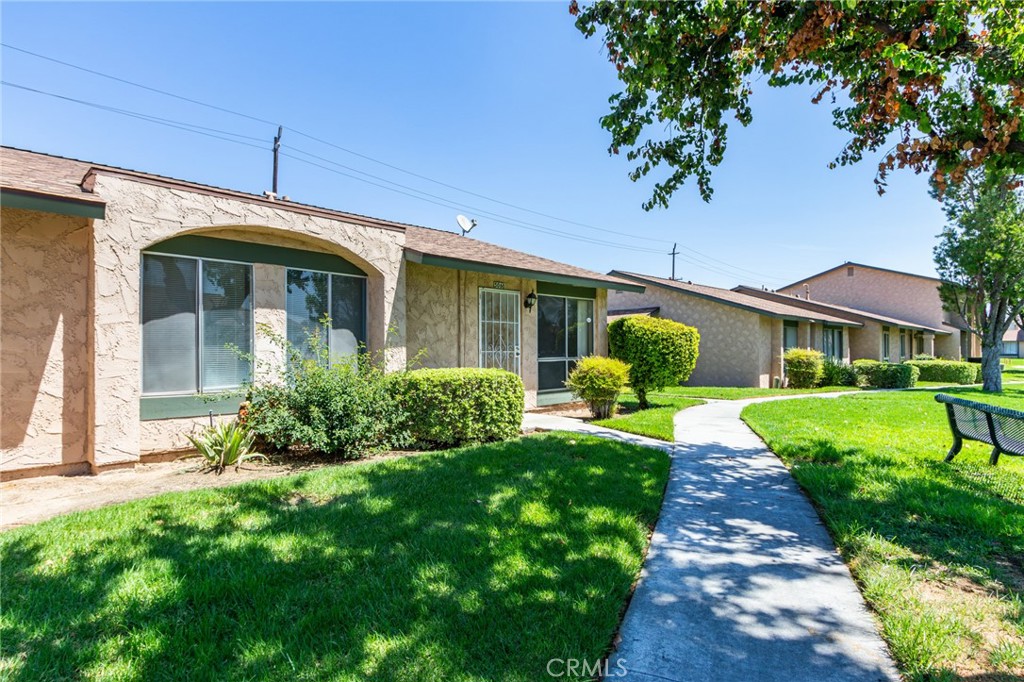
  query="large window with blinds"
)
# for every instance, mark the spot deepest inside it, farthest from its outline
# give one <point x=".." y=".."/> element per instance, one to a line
<point x="197" y="324"/>
<point x="312" y="296"/>
<point x="565" y="333"/>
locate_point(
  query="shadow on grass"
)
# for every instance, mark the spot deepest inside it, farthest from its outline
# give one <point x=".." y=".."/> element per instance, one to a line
<point x="482" y="563"/>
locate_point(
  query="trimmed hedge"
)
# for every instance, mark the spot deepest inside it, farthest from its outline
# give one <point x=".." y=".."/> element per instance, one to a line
<point x="450" y="407"/>
<point x="659" y="352"/>
<point x="804" y="367"/>
<point x="946" y="371"/>
<point x="886" y="374"/>
<point x="598" y="381"/>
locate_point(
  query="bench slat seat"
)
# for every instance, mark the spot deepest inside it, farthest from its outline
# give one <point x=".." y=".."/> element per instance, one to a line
<point x="1000" y="427"/>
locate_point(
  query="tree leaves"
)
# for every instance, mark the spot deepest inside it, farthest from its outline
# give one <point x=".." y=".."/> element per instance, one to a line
<point x="946" y="77"/>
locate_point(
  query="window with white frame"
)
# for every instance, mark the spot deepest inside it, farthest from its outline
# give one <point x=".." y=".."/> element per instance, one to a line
<point x="885" y="344"/>
<point x="311" y="296"/>
<point x="197" y="324"/>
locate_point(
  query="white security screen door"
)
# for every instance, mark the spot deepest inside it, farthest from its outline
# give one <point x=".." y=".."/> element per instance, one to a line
<point x="499" y="329"/>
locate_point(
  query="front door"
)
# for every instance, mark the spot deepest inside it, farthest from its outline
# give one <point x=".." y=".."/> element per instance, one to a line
<point x="499" y="329"/>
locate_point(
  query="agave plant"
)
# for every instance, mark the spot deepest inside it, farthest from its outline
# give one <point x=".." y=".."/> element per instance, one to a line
<point x="224" y="444"/>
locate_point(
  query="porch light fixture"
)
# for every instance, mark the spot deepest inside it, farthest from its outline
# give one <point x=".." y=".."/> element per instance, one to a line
<point x="531" y="300"/>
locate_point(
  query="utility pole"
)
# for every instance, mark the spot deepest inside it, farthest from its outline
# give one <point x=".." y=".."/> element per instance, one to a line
<point x="277" y="149"/>
<point x="674" y="253"/>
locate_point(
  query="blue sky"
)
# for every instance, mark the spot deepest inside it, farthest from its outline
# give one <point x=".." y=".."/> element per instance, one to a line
<point x="499" y="99"/>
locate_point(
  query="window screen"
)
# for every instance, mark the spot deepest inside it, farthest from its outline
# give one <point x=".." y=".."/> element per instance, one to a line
<point x="227" y="324"/>
<point x="169" y="319"/>
<point x="196" y="324"/>
<point x="565" y="333"/>
<point x="312" y="295"/>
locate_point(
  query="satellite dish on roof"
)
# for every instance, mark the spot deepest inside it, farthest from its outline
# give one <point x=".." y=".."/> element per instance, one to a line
<point x="465" y="223"/>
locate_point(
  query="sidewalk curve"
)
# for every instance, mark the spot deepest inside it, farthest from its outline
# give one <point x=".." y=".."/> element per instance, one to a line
<point x="742" y="581"/>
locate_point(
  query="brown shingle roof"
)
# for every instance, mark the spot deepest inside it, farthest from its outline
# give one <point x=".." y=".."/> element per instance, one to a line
<point x="739" y="300"/>
<point x="56" y="176"/>
<point x="52" y="176"/>
<point x="447" y="249"/>
<point x="859" y="265"/>
<point x="855" y="313"/>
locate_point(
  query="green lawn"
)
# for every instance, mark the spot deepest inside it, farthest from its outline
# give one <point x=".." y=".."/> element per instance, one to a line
<point x="1014" y="370"/>
<point x="937" y="548"/>
<point x="741" y="393"/>
<point x="481" y="563"/>
<point x="655" y="421"/>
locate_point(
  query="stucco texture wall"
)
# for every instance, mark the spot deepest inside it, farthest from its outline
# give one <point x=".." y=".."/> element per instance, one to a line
<point x="44" y="341"/>
<point x="140" y="215"/>
<point x="443" y="319"/>
<point x="735" y="345"/>
<point x="887" y="293"/>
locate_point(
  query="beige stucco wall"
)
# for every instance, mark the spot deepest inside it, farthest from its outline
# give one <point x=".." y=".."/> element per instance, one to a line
<point x="44" y="341"/>
<point x="887" y="293"/>
<point x="735" y="344"/>
<point x="866" y="341"/>
<point x="443" y="320"/>
<point x="139" y="215"/>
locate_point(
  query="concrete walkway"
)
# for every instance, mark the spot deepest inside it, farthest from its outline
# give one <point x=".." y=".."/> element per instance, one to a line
<point x="742" y="581"/>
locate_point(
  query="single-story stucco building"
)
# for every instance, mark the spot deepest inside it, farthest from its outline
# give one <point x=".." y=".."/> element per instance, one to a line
<point x="123" y="292"/>
<point x="742" y="337"/>
<point x="1013" y="342"/>
<point x="880" y="337"/>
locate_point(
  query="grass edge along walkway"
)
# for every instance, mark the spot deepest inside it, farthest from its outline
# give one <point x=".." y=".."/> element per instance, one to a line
<point x="479" y="563"/>
<point x="931" y="544"/>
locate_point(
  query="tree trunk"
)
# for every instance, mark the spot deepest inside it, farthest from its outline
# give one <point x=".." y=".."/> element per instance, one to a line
<point x="641" y="398"/>
<point x="991" y="369"/>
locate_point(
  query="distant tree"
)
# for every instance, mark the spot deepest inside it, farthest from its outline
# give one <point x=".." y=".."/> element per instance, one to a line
<point x="980" y="258"/>
<point x="937" y="85"/>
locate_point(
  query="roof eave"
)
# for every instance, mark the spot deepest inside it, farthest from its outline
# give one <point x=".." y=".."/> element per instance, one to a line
<point x="732" y="304"/>
<point x="51" y="203"/>
<point x="422" y="258"/>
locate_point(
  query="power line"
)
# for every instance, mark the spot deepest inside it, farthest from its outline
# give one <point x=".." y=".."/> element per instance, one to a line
<point x="394" y="187"/>
<point x="137" y="85"/>
<point x="697" y="259"/>
<point x="202" y="130"/>
<point x="180" y="125"/>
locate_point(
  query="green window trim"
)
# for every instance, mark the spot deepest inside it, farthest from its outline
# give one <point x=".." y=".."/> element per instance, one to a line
<point x="47" y="204"/>
<point x="200" y="246"/>
<point x="152" y="408"/>
<point x="554" y="289"/>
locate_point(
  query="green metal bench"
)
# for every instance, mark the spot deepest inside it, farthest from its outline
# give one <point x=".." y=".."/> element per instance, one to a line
<point x="1000" y="427"/>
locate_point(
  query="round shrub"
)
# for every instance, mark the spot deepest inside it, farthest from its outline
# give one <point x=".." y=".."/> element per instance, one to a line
<point x="659" y="352"/>
<point x="887" y="375"/>
<point x="598" y="381"/>
<point x="946" y="371"/>
<point x="343" y="410"/>
<point x="451" y="407"/>
<point x="804" y="367"/>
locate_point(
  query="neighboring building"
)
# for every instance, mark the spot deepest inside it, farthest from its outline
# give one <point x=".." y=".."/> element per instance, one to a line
<point x="880" y="337"/>
<point x="121" y="292"/>
<point x="742" y="337"/>
<point x="898" y="295"/>
<point x="1013" y="342"/>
